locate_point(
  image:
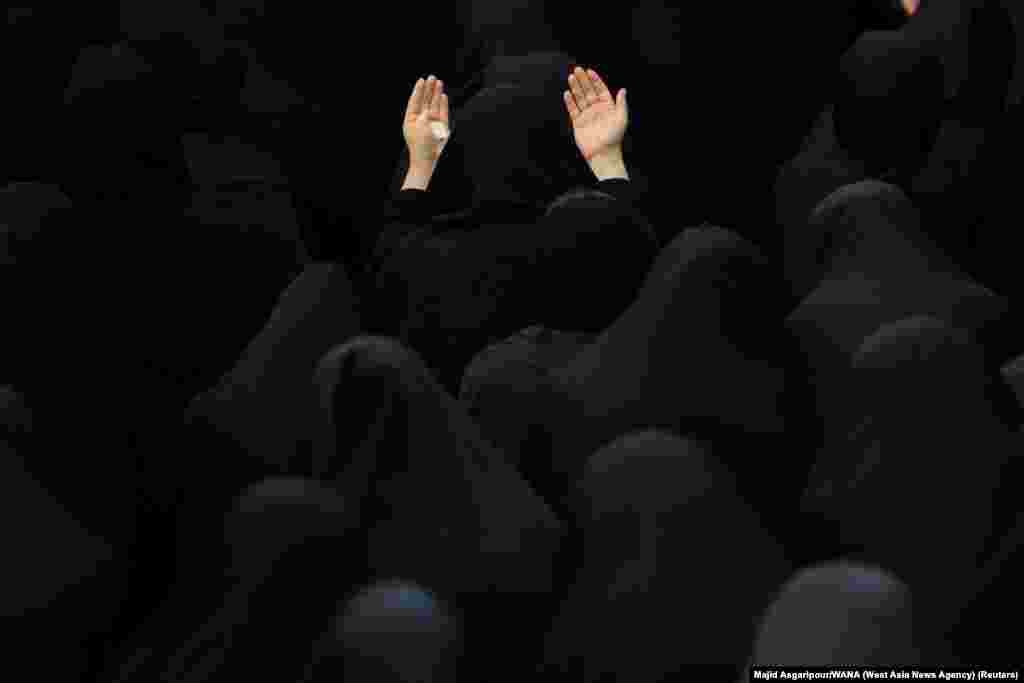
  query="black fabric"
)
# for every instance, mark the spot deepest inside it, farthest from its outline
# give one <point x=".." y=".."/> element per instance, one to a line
<point x="120" y="108"/>
<point x="958" y="33"/>
<point x="500" y="254"/>
<point x="63" y="579"/>
<point x="878" y="267"/>
<point x="863" y="227"/>
<point x="252" y="205"/>
<point x="664" y="583"/>
<point x="505" y="375"/>
<point x="291" y="561"/>
<point x="920" y="391"/>
<point x="390" y="426"/>
<point x="818" y="169"/>
<point x="701" y="327"/>
<point x="80" y="279"/>
<point x="990" y="56"/>
<point x="534" y="159"/>
<point x="267" y="402"/>
<point x="27" y="211"/>
<point x="884" y="115"/>
<point x="40" y="42"/>
<point x="1000" y="596"/>
<point x="952" y="176"/>
<point x="438" y="504"/>
<point x="24" y="209"/>
<point x="888" y="104"/>
<point x="134" y="277"/>
<point x="841" y="614"/>
<point x="503" y="29"/>
<point x="963" y="182"/>
<point x="884" y="15"/>
<point x="390" y="631"/>
<point x="15" y="418"/>
<point x="1013" y="375"/>
<point x="453" y="286"/>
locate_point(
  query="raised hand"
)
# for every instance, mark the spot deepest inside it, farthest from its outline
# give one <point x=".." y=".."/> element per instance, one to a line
<point x="599" y="121"/>
<point x="426" y="124"/>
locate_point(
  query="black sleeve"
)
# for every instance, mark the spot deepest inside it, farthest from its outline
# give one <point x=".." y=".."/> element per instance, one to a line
<point x="634" y="194"/>
<point x="407" y="213"/>
<point x="408" y="208"/>
<point x="620" y="188"/>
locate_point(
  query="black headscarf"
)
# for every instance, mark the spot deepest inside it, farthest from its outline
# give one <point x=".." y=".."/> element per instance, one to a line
<point x="515" y="136"/>
<point x="839" y="614"/>
<point x="978" y="634"/>
<point x="575" y="268"/>
<point x="594" y="261"/>
<point x="885" y="115"/>
<point x="888" y="104"/>
<point x="505" y="375"/>
<point x="442" y="506"/>
<point x="267" y="402"/>
<point x="61" y="578"/>
<point x="976" y="42"/>
<point x="965" y="184"/>
<point x="991" y="56"/>
<point x="659" y="588"/>
<point x="698" y="330"/>
<point x="292" y="564"/>
<point x="921" y="396"/>
<point x="869" y="228"/>
<point x="878" y="267"/>
<point x="121" y="109"/>
<point x="390" y="631"/>
<point x="439" y="505"/>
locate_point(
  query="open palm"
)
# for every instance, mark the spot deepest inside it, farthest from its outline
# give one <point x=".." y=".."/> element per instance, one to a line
<point x="426" y="123"/>
<point x="599" y="121"/>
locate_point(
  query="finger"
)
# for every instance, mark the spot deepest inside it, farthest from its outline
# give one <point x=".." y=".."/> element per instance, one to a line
<point x="428" y="94"/>
<point x="435" y="101"/>
<point x="588" y="88"/>
<point x="577" y="91"/>
<point x="621" y="103"/>
<point x="570" y="104"/>
<point x="444" y="110"/>
<point x="599" y="86"/>
<point x="416" y="99"/>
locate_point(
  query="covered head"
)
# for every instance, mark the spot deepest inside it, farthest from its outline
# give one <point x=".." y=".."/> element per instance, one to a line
<point x="921" y="391"/>
<point x="270" y="517"/>
<point x="599" y="250"/>
<point x="659" y="587"/>
<point x="390" y="631"/>
<point x="440" y="504"/>
<point x="839" y="614"/>
<point x="889" y="103"/>
<point x="515" y="135"/>
<point x="865" y="253"/>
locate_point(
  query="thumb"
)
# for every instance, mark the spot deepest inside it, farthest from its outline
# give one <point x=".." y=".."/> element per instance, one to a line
<point x="620" y="99"/>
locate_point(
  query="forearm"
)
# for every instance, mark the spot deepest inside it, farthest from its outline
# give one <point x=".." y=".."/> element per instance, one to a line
<point x="419" y="175"/>
<point x="608" y="165"/>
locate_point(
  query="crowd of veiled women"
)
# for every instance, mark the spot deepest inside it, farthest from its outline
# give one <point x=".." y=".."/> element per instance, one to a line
<point x="752" y="400"/>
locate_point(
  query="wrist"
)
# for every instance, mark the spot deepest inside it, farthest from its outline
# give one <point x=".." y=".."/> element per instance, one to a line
<point x="419" y="175"/>
<point x="608" y="164"/>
